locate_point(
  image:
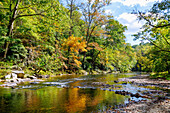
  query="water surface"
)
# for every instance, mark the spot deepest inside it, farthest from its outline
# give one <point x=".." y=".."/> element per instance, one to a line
<point x="66" y="94"/>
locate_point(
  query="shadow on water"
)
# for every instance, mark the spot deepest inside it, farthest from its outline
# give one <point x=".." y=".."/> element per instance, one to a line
<point x="68" y="94"/>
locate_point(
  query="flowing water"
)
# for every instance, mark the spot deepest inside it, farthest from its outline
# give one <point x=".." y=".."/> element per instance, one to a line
<point x="67" y="94"/>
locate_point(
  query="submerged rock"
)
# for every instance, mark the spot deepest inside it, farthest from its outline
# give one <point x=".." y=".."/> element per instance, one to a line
<point x="125" y="83"/>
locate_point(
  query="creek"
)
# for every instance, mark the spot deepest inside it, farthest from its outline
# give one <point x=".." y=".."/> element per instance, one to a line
<point x="69" y="94"/>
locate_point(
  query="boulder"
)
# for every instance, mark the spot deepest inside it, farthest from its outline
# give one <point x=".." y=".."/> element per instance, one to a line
<point x="20" y="74"/>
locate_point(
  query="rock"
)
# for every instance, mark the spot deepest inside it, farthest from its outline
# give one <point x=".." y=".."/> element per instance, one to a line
<point x="14" y="76"/>
<point x="20" y="74"/>
<point x="117" y="92"/>
<point x="8" y="76"/>
<point x="116" y="81"/>
<point x="132" y="95"/>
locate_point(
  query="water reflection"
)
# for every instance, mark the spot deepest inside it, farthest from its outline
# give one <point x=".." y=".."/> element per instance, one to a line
<point x="52" y="99"/>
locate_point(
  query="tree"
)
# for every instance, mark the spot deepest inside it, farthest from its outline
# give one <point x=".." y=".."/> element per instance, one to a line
<point x="92" y="12"/>
<point x="17" y="9"/>
<point x="71" y="4"/>
<point x="144" y="58"/>
<point x="156" y="31"/>
<point x="157" y="26"/>
<point x="76" y="45"/>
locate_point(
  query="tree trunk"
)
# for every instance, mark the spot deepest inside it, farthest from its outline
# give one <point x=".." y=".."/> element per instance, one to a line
<point x="10" y="26"/>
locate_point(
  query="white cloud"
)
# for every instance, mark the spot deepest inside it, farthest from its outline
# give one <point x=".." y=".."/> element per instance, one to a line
<point x="134" y="2"/>
<point x="109" y="11"/>
<point x="130" y="20"/>
<point x="133" y="25"/>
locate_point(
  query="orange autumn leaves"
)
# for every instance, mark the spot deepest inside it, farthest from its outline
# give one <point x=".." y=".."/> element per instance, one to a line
<point x="75" y="45"/>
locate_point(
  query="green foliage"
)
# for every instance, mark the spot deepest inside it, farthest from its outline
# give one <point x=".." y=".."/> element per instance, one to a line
<point x="155" y="56"/>
<point x="16" y="50"/>
<point x="45" y="36"/>
<point x="160" y="75"/>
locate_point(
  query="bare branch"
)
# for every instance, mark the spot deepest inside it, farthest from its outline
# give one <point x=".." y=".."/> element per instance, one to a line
<point x="150" y="23"/>
<point x="165" y="39"/>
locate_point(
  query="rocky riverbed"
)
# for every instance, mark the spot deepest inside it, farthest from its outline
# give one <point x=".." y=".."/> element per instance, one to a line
<point x="18" y="77"/>
<point x="156" y="102"/>
<point x="158" y="105"/>
<point x="145" y="80"/>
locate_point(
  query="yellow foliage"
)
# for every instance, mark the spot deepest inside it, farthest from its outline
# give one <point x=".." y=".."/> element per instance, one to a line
<point x="77" y="62"/>
<point x="76" y="45"/>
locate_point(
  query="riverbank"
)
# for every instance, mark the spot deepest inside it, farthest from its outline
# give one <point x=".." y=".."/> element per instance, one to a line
<point x="11" y="83"/>
<point x="155" y="100"/>
<point x="156" y="104"/>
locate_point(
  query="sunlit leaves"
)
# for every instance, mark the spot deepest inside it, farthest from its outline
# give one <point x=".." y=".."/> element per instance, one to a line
<point x="75" y="45"/>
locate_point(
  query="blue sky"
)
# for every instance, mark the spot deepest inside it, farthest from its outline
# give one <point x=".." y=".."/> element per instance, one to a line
<point x="121" y="10"/>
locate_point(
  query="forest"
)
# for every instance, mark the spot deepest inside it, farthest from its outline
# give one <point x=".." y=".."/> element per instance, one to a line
<point x="52" y="37"/>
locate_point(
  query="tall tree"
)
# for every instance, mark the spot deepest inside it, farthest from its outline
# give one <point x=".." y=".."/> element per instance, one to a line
<point x="16" y="9"/>
<point x="93" y="16"/>
<point x="156" y="30"/>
